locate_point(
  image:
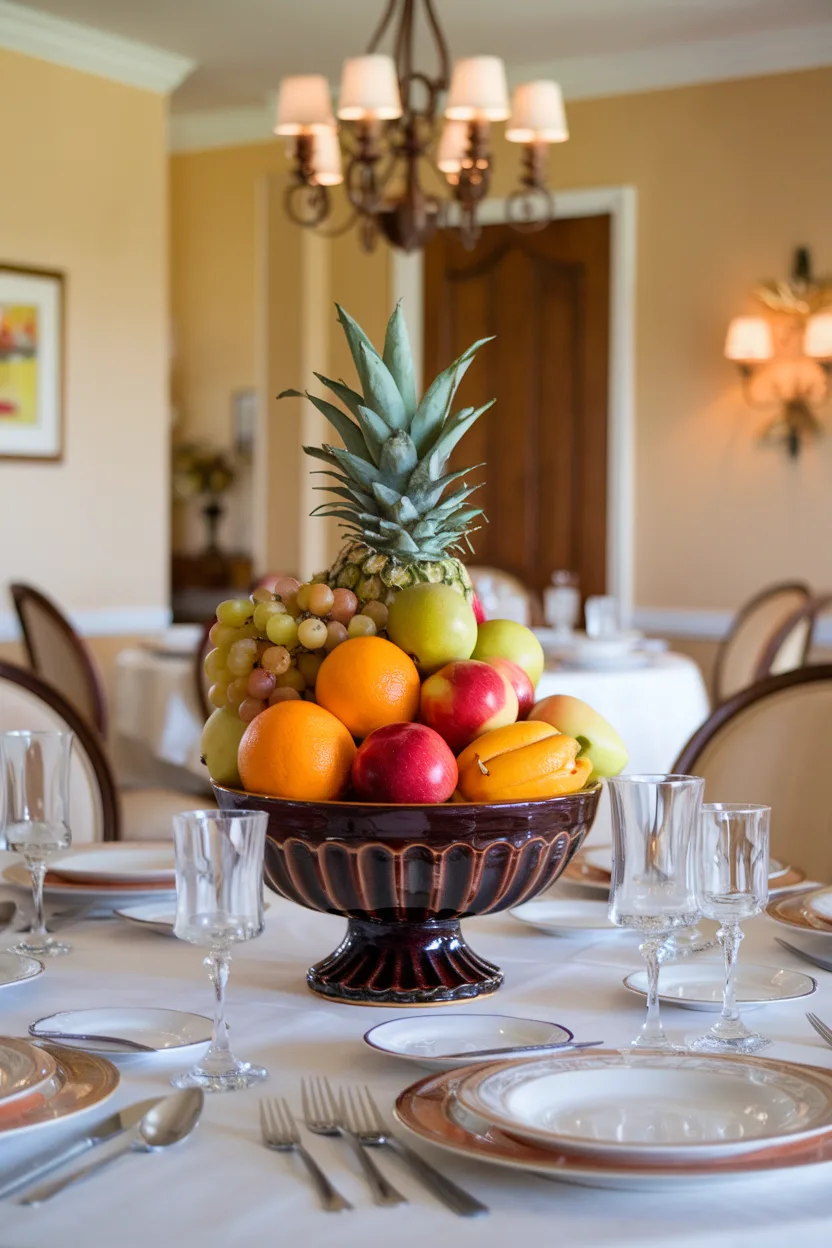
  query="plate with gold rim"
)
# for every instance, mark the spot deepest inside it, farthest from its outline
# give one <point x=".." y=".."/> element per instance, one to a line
<point x="84" y="1081"/>
<point x="431" y="1111"/>
<point x="798" y="910"/>
<point x="25" y="1071"/>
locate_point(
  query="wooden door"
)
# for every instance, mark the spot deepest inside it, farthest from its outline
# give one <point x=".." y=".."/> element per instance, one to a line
<point x="545" y="296"/>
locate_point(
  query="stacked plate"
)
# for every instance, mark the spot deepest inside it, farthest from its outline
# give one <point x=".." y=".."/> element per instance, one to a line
<point x="808" y="912"/>
<point x="630" y="1120"/>
<point x="42" y="1083"/>
<point x="591" y="868"/>
<point x="106" y="875"/>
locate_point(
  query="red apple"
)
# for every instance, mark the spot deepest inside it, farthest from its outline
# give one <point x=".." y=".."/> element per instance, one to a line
<point x="478" y="609"/>
<point x="466" y="698"/>
<point x="404" y="763"/>
<point x="519" y="681"/>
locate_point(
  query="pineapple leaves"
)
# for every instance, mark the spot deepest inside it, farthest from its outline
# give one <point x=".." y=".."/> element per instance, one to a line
<point x="343" y="392"/>
<point x="431" y="465"/>
<point x="375" y="431"/>
<point x="398" y="460"/>
<point x="380" y="390"/>
<point x="399" y="360"/>
<point x="433" y="410"/>
<point x="360" y="471"/>
<point x="348" y="431"/>
<point x="356" y="338"/>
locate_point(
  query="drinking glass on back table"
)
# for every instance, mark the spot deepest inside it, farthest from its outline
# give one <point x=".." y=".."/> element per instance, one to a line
<point x="35" y="778"/>
<point x="219" y="902"/>
<point x="732" y="879"/>
<point x="653" y="888"/>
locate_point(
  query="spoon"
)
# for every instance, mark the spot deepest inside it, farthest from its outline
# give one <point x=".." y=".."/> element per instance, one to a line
<point x="169" y="1121"/>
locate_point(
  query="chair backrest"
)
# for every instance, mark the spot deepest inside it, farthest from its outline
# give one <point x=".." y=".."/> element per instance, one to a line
<point x="771" y="743"/>
<point x="493" y="585"/>
<point x="29" y="703"/>
<point x="201" y="681"/>
<point x="59" y="655"/>
<point x="769" y="634"/>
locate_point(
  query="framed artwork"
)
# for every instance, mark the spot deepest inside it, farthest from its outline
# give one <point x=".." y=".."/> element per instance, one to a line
<point x="31" y="363"/>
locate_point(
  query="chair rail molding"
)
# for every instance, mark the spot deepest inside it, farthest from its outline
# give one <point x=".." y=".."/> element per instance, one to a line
<point x="101" y="622"/>
<point x="407" y="284"/>
<point x="704" y="625"/>
<point x="91" y="50"/>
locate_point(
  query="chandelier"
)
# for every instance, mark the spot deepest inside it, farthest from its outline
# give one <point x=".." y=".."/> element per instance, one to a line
<point x="387" y="136"/>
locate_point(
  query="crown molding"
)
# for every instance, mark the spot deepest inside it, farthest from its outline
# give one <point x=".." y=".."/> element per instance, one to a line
<point x="660" y="68"/>
<point x="89" y="50"/>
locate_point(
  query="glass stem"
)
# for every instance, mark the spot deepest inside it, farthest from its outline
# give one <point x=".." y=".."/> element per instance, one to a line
<point x="729" y="936"/>
<point x="37" y="870"/>
<point x="217" y="963"/>
<point x="652" y="1031"/>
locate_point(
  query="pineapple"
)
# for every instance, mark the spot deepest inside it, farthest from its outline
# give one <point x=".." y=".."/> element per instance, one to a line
<point x="389" y="478"/>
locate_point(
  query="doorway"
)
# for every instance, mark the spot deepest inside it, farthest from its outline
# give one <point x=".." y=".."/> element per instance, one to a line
<point x="545" y="296"/>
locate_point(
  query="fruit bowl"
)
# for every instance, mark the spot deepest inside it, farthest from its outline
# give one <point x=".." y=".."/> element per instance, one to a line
<point x="404" y="877"/>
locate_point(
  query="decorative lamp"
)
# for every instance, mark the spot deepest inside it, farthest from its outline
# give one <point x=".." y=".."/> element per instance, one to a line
<point x="478" y="90"/>
<point x="369" y="89"/>
<point x="537" y="114"/>
<point x="303" y="105"/>
<point x="749" y="340"/>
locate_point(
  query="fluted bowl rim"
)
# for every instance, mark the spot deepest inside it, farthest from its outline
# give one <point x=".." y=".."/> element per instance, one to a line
<point x="539" y="804"/>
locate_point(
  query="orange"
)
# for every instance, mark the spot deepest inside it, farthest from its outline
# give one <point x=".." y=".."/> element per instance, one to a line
<point x="296" y="750"/>
<point x="521" y="762"/>
<point x="368" y="683"/>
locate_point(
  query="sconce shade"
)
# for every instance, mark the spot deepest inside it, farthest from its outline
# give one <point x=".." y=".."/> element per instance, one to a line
<point x="478" y="90"/>
<point x="749" y="340"/>
<point x="817" y="342"/>
<point x="537" y="114"/>
<point x="453" y="145"/>
<point x="303" y="105"/>
<point x="369" y="89"/>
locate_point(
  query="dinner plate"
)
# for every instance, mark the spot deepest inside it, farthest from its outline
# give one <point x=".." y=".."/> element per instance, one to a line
<point x="647" y="1105"/>
<point x="599" y="857"/>
<point x="155" y="916"/>
<point x="120" y="863"/>
<point x="426" y="1039"/>
<point x="698" y="985"/>
<point x="797" y="910"/>
<point x="591" y="868"/>
<point x="85" y="1081"/>
<point x="430" y="1111"/>
<point x="161" y="1029"/>
<point x="821" y="904"/>
<point x="567" y="917"/>
<point x="24" y="1071"/>
<point x="106" y="896"/>
<point x="17" y="967"/>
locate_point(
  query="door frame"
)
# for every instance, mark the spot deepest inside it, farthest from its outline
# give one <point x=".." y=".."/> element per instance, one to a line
<point x="619" y="202"/>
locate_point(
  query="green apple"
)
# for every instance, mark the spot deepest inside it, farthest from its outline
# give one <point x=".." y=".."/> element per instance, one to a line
<point x="433" y="624"/>
<point x="599" y="741"/>
<point x="505" y="639"/>
<point x="220" y="740"/>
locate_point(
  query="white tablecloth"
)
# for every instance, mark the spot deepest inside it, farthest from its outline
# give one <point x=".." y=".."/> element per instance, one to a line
<point x="222" y="1189"/>
<point x="156" y="715"/>
<point x="655" y="708"/>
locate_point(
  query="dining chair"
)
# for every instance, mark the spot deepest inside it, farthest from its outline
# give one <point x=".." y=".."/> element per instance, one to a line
<point x="770" y="634"/>
<point x="201" y="682"/>
<point x="492" y="584"/>
<point x="771" y="743"/>
<point x="99" y="809"/>
<point x="59" y="655"/>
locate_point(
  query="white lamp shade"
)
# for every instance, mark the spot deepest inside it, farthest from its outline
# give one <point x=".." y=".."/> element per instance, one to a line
<point x="478" y="90"/>
<point x="369" y="89"/>
<point x="749" y="340"/>
<point x="326" y="158"/>
<point x="303" y="105"/>
<point x="453" y="144"/>
<point x="818" y="339"/>
<point x="537" y="114"/>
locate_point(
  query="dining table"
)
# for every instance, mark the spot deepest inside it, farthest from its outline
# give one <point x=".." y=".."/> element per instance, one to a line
<point x="222" y="1188"/>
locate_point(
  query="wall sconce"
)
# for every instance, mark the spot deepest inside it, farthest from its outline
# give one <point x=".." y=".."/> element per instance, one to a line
<point x="785" y="359"/>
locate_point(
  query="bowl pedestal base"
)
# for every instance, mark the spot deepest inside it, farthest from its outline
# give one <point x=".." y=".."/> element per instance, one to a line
<point x="410" y="963"/>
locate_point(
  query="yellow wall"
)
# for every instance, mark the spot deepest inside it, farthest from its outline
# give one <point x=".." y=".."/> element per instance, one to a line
<point x="729" y="178"/>
<point x="83" y="191"/>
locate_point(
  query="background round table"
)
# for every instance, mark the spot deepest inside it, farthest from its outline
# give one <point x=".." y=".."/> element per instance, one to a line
<point x="157" y="722"/>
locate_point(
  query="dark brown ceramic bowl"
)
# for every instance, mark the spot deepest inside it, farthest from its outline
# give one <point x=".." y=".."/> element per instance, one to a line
<point x="404" y="876"/>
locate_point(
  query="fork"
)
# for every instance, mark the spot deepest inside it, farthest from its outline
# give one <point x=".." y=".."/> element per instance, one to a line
<point x="820" y="1027"/>
<point x="315" y="1097"/>
<point x="279" y="1131"/>
<point x="367" y="1124"/>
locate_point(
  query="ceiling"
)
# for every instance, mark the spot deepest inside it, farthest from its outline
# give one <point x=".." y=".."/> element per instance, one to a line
<point x="243" y="47"/>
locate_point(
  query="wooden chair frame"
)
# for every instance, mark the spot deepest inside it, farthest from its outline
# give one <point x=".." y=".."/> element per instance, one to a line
<point x="770" y="651"/>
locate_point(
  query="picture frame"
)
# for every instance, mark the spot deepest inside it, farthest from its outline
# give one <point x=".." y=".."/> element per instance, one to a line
<point x="31" y="364"/>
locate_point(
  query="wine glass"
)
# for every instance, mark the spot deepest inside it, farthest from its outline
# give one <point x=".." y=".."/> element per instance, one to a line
<point x="601" y="617"/>
<point x="562" y="603"/>
<point x="732" y="878"/>
<point x="653" y="887"/>
<point x="35" y="770"/>
<point x="219" y="902"/>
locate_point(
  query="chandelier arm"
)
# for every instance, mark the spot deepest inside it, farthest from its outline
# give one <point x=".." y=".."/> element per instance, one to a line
<point x="444" y="78"/>
<point x="381" y="29"/>
<point x="313" y="200"/>
<point x="404" y="48"/>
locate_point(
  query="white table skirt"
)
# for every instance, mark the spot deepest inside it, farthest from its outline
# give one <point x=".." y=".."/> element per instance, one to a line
<point x="155" y="709"/>
<point x="655" y="708"/>
<point x="222" y="1189"/>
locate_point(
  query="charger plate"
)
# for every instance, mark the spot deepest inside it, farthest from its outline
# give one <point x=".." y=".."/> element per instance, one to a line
<point x="84" y="1081"/>
<point x="431" y="1111"/>
<point x="799" y="911"/>
<point x="27" y="1075"/>
<point x="591" y="869"/>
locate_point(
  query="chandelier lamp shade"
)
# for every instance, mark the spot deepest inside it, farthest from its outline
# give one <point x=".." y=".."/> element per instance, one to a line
<point x="412" y="145"/>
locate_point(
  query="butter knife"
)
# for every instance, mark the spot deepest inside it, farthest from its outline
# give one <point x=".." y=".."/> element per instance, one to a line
<point x="523" y="1050"/>
<point x="12" y="1181"/>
